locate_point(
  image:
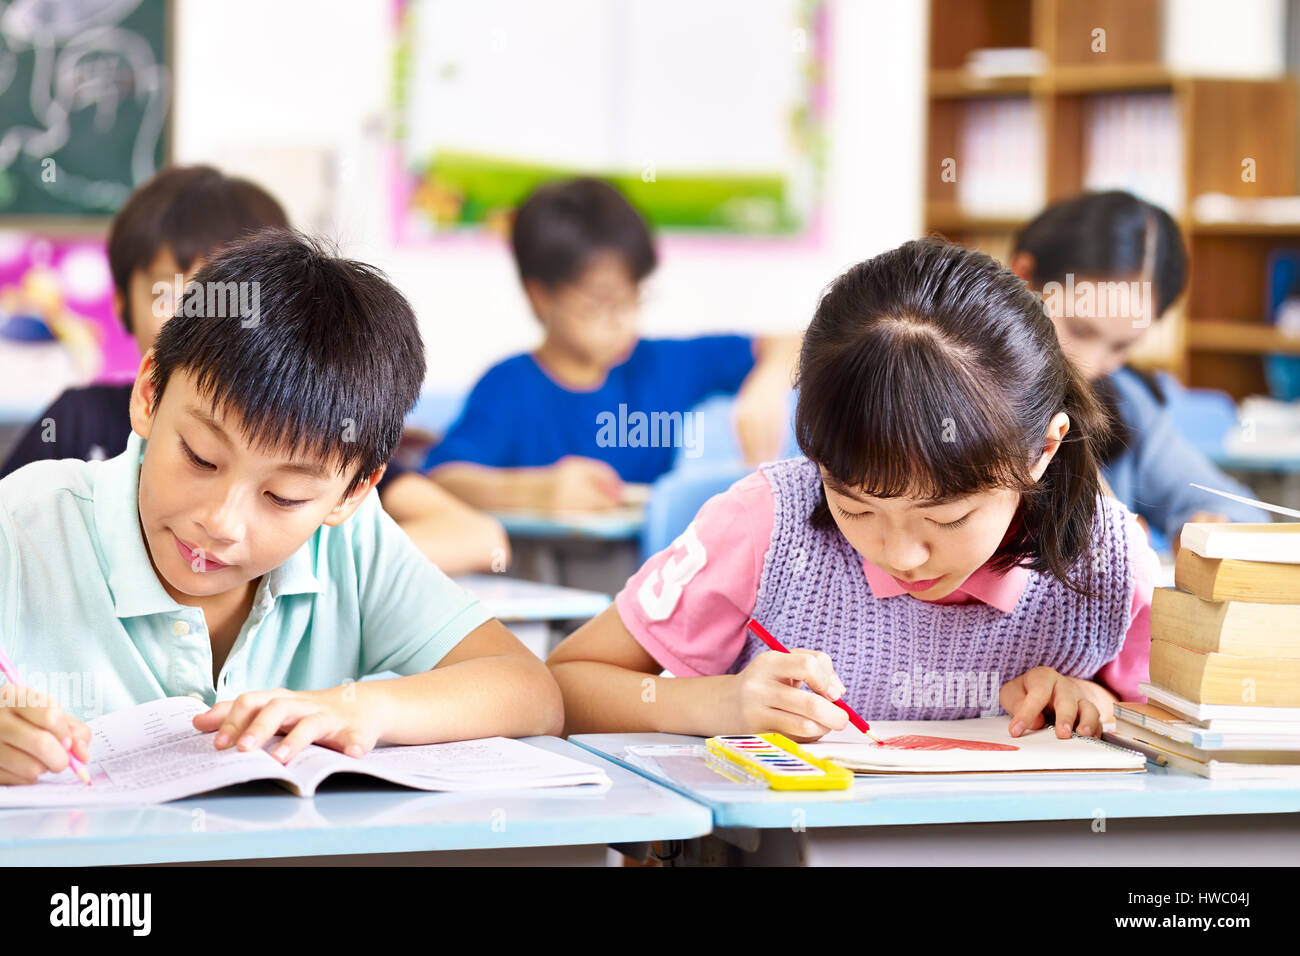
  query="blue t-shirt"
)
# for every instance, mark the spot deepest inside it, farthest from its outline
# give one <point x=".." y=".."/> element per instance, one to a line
<point x="519" y="417"/>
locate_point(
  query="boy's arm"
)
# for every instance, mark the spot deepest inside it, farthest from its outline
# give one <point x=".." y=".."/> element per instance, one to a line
<point x="571" y="484"/>
<point x="761" y="411"/>
<point x="450" y="533"/>
<point x="610" y="685"/>
<point x="488" y="685"/>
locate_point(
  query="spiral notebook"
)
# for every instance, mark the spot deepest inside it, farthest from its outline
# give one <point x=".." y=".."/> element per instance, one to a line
<point x="977" y="745"/>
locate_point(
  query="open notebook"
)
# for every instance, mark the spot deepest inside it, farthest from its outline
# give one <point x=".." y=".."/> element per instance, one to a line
<point x="151" y="753"/>
<point x="978" y="745"/>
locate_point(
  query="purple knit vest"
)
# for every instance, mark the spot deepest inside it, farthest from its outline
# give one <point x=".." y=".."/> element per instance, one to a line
<point x="902" y="658"/>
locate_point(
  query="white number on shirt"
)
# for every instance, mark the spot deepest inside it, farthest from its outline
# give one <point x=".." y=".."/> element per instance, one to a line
<point x="676" y="573"/>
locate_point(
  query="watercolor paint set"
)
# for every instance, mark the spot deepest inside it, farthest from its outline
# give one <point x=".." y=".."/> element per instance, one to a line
<point x="780" y="761"/>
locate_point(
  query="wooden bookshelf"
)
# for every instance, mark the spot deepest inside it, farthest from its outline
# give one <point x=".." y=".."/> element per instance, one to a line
<point x="1217" y="334"/>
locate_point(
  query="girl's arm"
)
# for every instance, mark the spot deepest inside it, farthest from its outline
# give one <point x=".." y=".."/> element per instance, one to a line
<point x="609" y="685"/>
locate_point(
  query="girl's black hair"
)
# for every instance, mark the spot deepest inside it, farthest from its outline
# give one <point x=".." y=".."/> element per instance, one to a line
<point x="318" y="355"/>
<point x="1107" y="235"/>
<point x="930" y="371"/>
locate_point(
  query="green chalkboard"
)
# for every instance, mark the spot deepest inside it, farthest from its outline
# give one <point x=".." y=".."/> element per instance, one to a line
<point x="84" y="100"/>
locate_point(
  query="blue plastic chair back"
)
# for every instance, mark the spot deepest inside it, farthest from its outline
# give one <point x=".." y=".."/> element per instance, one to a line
<point x="677" y="496"/>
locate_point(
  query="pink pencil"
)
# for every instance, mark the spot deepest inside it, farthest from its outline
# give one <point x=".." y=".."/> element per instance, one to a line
<point x="762" y="634"/>
<point x="7" y="668"/>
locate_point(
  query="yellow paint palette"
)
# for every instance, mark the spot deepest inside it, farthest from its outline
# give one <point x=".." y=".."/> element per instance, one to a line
<point x="780" y="761"/>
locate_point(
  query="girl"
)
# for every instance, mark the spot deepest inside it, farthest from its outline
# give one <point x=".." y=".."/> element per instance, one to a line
<point x="1092" y="244"/>
<point x="942" y="549"/>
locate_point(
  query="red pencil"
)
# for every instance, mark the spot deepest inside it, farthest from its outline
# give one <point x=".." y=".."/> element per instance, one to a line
<point x="761" y="633"/>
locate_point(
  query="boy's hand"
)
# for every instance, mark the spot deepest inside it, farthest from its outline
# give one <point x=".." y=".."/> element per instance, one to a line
<point x="583" y="484"/>
<point x="35" y="734"/>
<point x="1073" y="703"/>
<point x="762" y="415"/>
<point x="765" y="696"/>
<point x="330" y="717"/>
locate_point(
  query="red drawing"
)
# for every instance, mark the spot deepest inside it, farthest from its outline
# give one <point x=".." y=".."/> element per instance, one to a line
<point x="922" y="742"/>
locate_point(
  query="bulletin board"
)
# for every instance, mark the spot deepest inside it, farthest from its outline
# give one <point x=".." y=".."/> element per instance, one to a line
<point x="710" y="117"/>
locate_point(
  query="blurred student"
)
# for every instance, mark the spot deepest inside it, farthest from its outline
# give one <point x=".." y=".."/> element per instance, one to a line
<point x="158" y="240"/>
<point x="234" y="553"/>
<point x="595" y="405"/>
<point x="1074" y="254"/>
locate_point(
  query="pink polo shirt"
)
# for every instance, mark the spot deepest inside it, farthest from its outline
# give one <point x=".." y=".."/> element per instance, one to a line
<point x="688" y="605"/>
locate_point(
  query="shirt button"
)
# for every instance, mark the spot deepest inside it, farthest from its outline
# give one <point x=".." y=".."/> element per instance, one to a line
<point x="196" y="696"/>
<point x="180" y="628"/>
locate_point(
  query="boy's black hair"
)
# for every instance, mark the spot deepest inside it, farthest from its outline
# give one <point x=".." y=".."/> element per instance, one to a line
<point x="194" y="210"/>
<point x="930" y="371"/>
<point x="561" y="225"/>
<point x="1107" y="235"/>
<point x="327" y="365"/>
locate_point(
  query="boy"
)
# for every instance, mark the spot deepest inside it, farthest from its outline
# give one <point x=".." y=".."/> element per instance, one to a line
<point x="537" y="430"/>
<point x="166" y="229"/>
<point x="234" y="546"/>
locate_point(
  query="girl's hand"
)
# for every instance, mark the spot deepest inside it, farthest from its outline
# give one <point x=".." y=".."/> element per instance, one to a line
<point x="330" y="717"/>
<point x="765" y="696"/>
<point x="35" y="735"/>
<point x="1030" y="696"/>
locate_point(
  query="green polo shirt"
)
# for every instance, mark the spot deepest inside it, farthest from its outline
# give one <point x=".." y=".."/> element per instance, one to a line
<point x="84" y="617"/>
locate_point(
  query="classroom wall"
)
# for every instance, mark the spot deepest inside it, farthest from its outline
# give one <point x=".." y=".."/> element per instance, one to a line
<point x="295" y="93"/>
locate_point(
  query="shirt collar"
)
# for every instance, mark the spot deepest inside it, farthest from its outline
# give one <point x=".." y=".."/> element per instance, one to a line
<point x="131" y="578"/>
<point x="999" y="589"/>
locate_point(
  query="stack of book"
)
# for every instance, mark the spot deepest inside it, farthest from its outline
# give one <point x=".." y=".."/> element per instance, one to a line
<point x="1224" y="695"/>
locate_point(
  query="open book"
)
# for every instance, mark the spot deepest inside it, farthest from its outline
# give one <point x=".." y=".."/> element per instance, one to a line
<point x="151" y="753"/>
<point x="978" y="745"/>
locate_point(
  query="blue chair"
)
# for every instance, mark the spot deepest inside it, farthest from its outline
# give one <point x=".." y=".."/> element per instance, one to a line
<point x="1203" y="416"/>
<point x="715" y="434"/>
<point x="678" y="495"/>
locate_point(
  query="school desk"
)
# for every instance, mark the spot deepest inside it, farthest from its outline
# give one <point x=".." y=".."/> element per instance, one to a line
<point x="1161" y="817"/>
<point x="359" y="821"/>
<point x="597" y="551"/>
<point x="533" y="612"/>
<point x="1273" y="474"/>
